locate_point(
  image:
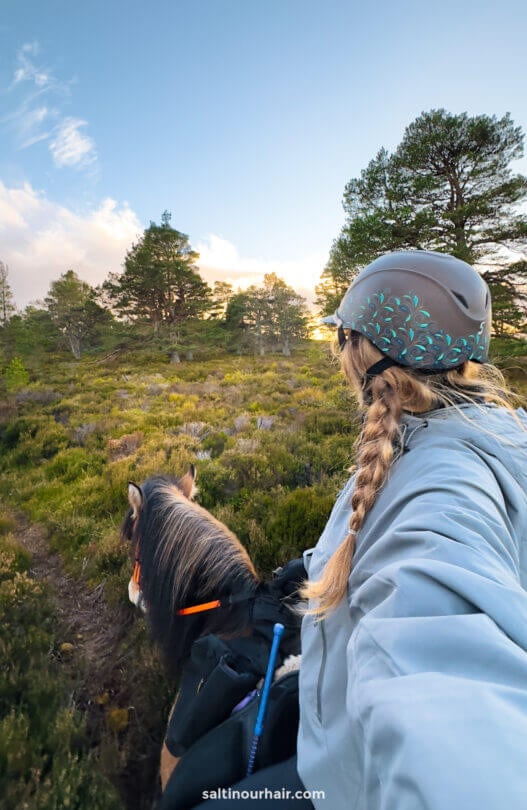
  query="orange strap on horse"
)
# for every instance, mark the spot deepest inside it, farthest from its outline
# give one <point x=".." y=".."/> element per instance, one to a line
<point x="199" y="608"/>
<point x="233" y="599"/>
<point x="216" y="603"/>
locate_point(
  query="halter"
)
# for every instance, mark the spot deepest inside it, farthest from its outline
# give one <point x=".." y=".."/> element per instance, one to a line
<point x="203" y="606"/>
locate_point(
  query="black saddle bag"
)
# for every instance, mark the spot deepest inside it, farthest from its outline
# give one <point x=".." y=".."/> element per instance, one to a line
<point x="213" y="742"/>
<point x="220" y="757"/>
<point x="212" y="683"/>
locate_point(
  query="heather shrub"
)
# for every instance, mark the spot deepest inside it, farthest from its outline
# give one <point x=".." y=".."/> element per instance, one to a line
<point x="14" y="558"/>
<point x="216" y="443"/>
<point x="52" y="774"/>
<point x="74" y="463"/>
<point x="328" y="422"/>
<point x="35" y="438"/>
<point x="46" y="760"/>
<point x="7" y="523"/>
<point x="298" y="520"/>
<point x="217" y="484"/>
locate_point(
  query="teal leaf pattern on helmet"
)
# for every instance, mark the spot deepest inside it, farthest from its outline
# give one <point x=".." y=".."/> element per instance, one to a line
<point x="398" y="325"/>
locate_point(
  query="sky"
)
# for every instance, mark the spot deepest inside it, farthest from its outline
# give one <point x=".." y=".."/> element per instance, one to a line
<point x="244" y="118"/>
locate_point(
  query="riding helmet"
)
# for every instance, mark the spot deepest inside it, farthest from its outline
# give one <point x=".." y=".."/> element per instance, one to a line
<point x="422" y="309"/>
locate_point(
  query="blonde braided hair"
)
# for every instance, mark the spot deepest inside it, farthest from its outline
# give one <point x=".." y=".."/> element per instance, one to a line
<point x="383" y="399"/>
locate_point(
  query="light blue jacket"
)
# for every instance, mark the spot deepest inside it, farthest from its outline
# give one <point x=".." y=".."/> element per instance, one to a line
<point x="413" y="693"/>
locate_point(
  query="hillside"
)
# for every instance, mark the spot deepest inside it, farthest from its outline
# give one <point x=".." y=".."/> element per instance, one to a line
<point x="84" y="699"/>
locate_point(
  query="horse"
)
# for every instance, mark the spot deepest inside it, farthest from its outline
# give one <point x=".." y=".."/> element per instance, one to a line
<point x="202" y="596"/>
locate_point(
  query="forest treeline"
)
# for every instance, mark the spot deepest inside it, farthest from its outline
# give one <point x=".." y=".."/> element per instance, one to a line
<point x="448" y="186"/>
<point x="159" y="297"/>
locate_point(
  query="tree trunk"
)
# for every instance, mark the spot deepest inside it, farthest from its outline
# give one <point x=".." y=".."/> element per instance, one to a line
<point x="75" y="346"/>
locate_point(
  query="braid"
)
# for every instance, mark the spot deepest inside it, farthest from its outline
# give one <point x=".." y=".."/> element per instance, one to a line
<point x="375" y="455"/>
<point x="383" y="399"/>
<point x="375" y="450"/>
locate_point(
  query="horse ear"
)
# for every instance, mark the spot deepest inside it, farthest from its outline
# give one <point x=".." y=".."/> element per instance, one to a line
<point x="187" y="483"/>
<point x="135" y="498"/>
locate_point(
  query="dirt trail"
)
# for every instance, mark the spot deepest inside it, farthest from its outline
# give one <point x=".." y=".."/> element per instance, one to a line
<point x="86" y="621"/>
<point x="103" y="672"/>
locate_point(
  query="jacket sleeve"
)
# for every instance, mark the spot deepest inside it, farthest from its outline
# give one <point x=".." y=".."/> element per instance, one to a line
<point x="437" y="687"/>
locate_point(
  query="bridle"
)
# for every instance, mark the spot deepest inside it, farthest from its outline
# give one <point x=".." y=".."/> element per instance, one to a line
<point x="243" y="596"/>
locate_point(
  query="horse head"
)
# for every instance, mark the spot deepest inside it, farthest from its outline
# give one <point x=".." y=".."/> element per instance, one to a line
<point x="192" y="576"/>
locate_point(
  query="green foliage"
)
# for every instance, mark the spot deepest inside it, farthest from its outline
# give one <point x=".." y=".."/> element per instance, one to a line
<point x="160" y="283"/>
<point x="35" y="438"/>
<point x="448" y="186"/>
<point x="75" y="312"/>
<point x="215" y="443"/>
<point x="45" y="758"/>
<point x="54" y="775"/>
<point x="222" y="293"/>
<point x="503" y="347"/>
<point x="509" y="296"/>
<point x="299" y="520"/>
<point x="16" y="375"/>
<point x="7" y="524"/>
<point x="73" y="463"/>
<point x="336" y="277"/>
<point x="14" y="559"/>
<point x="267" y="317"/>
<point x="328" y="422"/>
<point x="31" y="335"/>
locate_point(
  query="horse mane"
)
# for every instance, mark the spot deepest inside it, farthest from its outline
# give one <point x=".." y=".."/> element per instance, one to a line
<point x="186" y="557"/>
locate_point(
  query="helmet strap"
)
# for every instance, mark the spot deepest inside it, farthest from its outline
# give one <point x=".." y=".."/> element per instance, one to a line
<point x="379" y="367"/>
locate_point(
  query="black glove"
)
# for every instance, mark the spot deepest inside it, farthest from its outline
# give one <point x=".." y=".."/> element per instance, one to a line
<point x="290" y="577"/>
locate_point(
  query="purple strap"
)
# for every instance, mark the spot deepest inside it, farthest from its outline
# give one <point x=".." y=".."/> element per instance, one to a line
<point x="245" y="701"/>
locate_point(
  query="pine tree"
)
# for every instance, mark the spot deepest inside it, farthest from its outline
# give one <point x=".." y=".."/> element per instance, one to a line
<point x="448" y="186"/>
<point x="160" y="284"/>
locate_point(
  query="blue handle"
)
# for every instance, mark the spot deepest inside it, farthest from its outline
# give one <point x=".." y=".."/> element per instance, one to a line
<point x="278" y="631"/>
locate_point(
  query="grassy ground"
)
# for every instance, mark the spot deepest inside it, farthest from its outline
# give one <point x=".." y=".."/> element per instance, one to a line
<point x="272" y="439"/>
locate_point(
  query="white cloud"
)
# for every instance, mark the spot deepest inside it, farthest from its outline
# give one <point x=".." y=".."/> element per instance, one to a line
<point x="27" y="70"/>
<point x="29" y="122"/>
<point x="220" y="261"/>
<point x="29" y="125"/>
<point x="38" y="114"/>
<point x="40" y="240"/>
<point x="70" y="147"/>
<point x="34" y="117"/>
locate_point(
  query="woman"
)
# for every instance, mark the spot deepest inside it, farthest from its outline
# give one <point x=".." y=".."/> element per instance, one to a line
<point x="413" y="684"/>
<point x="414" y="672"/>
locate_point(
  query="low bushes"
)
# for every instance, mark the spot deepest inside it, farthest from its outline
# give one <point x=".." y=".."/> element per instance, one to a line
<point x="272" y="441"/>
<point x="46" y="758"/>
